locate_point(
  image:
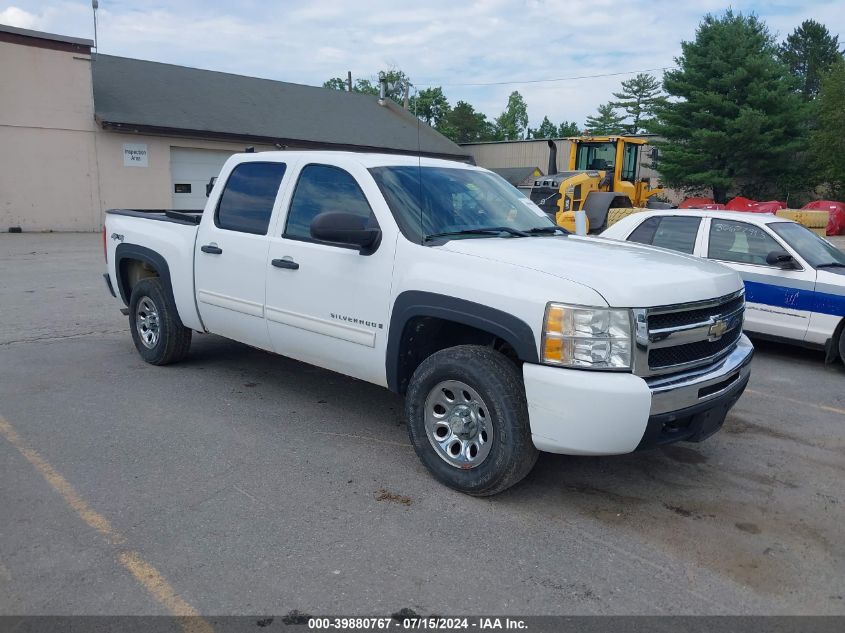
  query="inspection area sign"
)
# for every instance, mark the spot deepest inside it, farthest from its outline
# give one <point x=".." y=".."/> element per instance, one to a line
<point x="134" y="154"/>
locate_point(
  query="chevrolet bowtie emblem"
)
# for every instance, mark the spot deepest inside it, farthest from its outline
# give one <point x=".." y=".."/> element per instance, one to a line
<point x="718" y="329"/>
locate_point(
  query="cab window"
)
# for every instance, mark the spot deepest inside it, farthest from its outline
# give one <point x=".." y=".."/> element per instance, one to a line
<point x="629" y="162"/>
<point x="320" y="189"/>
<point x="246" y="203"/>
<point x="599" y="156"/>
<point x="673" y="232"/>
<point x="740" y="242"/>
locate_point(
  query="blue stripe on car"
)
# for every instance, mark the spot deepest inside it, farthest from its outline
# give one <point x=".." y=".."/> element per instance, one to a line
<point x="794" y="298"/>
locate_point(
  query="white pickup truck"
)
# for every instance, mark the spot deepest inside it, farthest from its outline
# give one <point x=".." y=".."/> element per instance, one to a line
<point x="441" y="282"/>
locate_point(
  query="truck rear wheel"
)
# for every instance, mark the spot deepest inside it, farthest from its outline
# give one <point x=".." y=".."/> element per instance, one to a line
<point x="468" y="420"/>
<point x="157" y="331"/>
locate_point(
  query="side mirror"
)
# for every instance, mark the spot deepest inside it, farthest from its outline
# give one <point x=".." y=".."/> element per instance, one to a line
<point x="654" y="154"/>
<point x="209" y="186"/>
<point x="781" y="259"/>
<point x="346" y="228"/>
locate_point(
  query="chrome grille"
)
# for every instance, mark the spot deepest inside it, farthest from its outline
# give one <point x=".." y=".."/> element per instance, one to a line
<point x="675" y="338"/>
<point x="691" y="352"/>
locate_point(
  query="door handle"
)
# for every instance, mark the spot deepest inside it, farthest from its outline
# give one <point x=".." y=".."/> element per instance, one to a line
<point x="210" y="248"/>
<point x="285" y="263"/>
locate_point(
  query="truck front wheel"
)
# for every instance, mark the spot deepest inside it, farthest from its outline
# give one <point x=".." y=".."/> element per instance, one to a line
<point x="468" y="420"/>
<point x="157" y="331"/>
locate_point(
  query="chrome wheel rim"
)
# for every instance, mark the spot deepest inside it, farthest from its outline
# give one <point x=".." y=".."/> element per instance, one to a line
<point x="458" y="425"/>
<point x="146" y="322"/>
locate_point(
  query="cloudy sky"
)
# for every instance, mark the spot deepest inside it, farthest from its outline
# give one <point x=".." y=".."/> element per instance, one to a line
<point x="452" y="43"/>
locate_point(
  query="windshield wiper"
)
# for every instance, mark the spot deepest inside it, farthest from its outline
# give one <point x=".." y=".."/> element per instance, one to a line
<point x="492" y="230"/>
<point x="831" y="265"/>
<point x="546" y="230"/>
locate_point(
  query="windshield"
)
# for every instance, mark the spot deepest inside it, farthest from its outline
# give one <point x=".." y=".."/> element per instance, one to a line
<point x="595" y="156"/>
<point x="427" y="201"/>
<point x="815" y="250"/>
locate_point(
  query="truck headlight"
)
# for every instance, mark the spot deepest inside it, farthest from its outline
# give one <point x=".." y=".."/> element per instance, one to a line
<point x="589" y="338"/>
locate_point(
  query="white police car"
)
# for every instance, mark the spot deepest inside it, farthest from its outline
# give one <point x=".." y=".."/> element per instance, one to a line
<point x="794" y="279"/>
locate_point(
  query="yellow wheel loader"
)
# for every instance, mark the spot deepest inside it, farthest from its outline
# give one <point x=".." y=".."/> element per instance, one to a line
<point x="602" y="174"/>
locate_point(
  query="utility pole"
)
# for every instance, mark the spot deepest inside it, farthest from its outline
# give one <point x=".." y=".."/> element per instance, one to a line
<point x="349" y="80"/>
<point x="407" y="91"/>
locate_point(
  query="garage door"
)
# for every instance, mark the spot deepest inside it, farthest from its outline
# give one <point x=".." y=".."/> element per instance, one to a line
<point x="190" y="171"/>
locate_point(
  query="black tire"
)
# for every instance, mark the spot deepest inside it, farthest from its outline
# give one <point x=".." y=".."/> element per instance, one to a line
<point x="498" y="382"/>
<point x="172" y="340"/>
<point x="842" y="345"/>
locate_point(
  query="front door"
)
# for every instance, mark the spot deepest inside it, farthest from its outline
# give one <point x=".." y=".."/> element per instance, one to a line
<point x="327" y="304"/>
<point x="777" y="300"/>
<point x="231" y="254"/>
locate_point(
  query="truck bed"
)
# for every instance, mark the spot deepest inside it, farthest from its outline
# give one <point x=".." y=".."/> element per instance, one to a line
<point x="130" y="234"/>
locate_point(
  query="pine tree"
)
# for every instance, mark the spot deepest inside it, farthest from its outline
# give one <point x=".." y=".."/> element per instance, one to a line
<point x="606" y="121"/>
<point x="735" y="121"/>
<point x="639" y="97"/>
<point x="809" y="51"/>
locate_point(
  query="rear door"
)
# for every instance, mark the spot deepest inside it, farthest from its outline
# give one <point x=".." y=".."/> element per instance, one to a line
<point x="776" y="299"/>
<point x="231" y="253"/>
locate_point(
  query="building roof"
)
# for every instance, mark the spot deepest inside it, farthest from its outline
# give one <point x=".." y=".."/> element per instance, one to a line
<point x="132" y="94"/>
<point x="517" y="175"/>
<point x="44" y="40"/>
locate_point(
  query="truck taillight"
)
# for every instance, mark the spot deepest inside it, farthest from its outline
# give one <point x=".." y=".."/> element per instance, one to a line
<point x="105" y="254"/>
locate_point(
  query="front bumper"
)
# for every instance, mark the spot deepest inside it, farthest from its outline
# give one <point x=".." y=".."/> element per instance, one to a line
<point x="580" y="412"/>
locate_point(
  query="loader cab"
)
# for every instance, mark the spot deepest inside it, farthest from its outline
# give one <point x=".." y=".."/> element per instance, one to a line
<point x="618" y="158"/>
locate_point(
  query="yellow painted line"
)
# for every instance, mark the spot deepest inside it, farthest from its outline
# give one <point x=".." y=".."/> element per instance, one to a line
<point x="161" y="590"/>
<point x="801" y="402"/>
<point x="61" y="485"/>
<point x="147" y="575"/>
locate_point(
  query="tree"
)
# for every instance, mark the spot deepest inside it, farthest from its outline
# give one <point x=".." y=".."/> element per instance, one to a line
<point x="513" y="122"/>
<point x="568" y="128"/>
<point x="365" y="86"/>
<point x="827" y="143"/>
<point x="809" y="51"/>
<point x="547" y="129"/>
<point x="395" y="84"/>
<point x="734" y="123"/>
<point x="638" y="98"/>
<point x="463" y="124"/>
<point x="430" y="105"/>
<point x="336" y="83"/>
<point x="606" y="121"/>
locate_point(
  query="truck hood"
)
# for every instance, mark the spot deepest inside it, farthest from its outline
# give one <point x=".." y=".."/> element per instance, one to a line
<point x="626" y="274"/>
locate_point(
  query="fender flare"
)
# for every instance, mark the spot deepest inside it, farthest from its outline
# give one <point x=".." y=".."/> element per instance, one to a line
<point x="155" y="260"/>
<point x="413" y="303"/>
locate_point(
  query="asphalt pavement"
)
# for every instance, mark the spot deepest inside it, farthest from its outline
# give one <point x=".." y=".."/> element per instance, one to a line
<point x="239" y="482"/>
